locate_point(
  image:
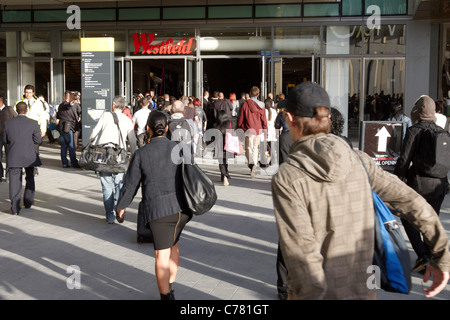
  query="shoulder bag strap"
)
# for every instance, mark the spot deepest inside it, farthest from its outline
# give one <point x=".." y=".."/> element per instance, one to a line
<point x="116" y="121"/>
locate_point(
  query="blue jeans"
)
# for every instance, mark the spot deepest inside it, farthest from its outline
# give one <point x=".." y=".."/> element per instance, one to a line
<point x="67" y="142"/>
<point x="111" y="185"/>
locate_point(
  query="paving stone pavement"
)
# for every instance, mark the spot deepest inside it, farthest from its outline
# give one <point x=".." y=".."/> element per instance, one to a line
<point x="226" y="254"/>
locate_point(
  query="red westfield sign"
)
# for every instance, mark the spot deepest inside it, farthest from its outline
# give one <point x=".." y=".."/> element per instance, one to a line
<point x="165" y="47"/>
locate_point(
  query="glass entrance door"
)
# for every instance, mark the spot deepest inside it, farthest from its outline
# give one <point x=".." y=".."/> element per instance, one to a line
<point x="282" y="73"/>
<point x="123" y="69"/>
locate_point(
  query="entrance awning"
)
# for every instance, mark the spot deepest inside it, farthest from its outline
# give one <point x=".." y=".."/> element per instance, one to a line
<point x="432" y="10"/>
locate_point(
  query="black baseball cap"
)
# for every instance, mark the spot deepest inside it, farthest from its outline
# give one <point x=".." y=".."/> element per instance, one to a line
<point x="304" y="98"/>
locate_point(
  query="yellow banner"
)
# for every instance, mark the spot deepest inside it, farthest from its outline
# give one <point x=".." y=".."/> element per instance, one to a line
<point x="97" y="44"/>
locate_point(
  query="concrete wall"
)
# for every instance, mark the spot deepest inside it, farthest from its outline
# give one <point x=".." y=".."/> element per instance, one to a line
<point x="421" y="56"/>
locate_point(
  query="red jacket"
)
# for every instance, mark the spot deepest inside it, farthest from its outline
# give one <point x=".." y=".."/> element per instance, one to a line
<point x="252" y="116"/>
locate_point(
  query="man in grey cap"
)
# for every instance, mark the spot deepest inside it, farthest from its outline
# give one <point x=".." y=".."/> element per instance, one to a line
<point x="324" y="208"/>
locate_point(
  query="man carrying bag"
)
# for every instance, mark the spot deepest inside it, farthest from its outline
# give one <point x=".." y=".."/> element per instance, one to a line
<point x="107" y="131"/>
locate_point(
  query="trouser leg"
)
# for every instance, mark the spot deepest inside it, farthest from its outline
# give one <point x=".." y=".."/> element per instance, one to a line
<point x="15" y="188"/>
<point x="108" y="195"/>
<point x="30" y="187"/>
<point x="2" y="170"/>
<point x="281" y="273"/>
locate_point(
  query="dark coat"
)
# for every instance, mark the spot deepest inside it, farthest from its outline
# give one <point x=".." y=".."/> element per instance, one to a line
<point x="223" y="104"/>
<point x="5" y="114"/>
<point x="21" y="135"/>
<point x="429" y="187"/>
<point x="67" y="113"/>
<point x="160" y="179"/>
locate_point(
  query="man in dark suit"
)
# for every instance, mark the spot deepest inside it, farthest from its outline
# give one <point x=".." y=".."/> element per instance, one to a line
<point x="21" y="135"/>
<point x="6" y="113"/>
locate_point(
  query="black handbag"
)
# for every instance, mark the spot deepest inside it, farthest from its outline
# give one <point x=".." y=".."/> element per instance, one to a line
<point x="198" y="188"/>
<point x="108" y="157"/>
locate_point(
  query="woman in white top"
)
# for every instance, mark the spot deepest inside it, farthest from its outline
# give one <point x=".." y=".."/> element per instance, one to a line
<point x="271" y="115"/>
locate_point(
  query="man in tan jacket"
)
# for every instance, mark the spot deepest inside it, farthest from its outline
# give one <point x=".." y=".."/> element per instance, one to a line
<point x="324" y="208"/>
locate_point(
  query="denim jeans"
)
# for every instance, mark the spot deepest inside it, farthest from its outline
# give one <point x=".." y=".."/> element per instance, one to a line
<point x="111" y="185"/>
<point x="67" y="142"/>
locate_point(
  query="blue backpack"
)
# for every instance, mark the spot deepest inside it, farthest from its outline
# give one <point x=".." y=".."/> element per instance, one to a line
<point x="391" y="252"/>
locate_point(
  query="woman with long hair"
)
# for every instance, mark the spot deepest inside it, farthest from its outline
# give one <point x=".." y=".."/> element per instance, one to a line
<point x="163" y="202"/>
<point x="235" y="103"/>
<point x="223" y="123"/>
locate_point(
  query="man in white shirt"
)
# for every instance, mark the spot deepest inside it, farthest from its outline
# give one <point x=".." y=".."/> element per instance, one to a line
<point x="140" y="118"/>
<point x="36" y="109"/>
<point x="106" y="131"/>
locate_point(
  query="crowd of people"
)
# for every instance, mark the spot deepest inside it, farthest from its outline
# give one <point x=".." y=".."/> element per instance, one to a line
<point x="324" y="246"/>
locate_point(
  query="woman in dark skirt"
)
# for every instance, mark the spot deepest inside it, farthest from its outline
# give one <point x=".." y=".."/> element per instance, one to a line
<point x="163" y="202"/>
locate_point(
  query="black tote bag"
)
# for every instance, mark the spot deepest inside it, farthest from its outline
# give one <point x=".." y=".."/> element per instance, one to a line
<point x="198" y="189"/>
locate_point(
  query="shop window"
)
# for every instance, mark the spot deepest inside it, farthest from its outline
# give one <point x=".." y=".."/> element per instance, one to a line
<point x="321" y="10"/>
<point x="445" y="68"/>
<point x="36" y="44"/>
<point x="297" y="40"/>
<point x="139" y="14"/>
<point x="50" y="16"/>
<point x="183" y="13"/>
<point x="98" y="15"/>
<point x="343" y="39"/>
<point x="278" y="11"/>
<point x="351" y="7"/>
<point x="388" y="7"/>
<point x="230" y="12"/>
<point x="9" y="84"/>
<point x="17" y="16"/>
<point x="389" y="39"/>
<point x="235" y="40"/>
<point x="343" y="83"/>
<point x="385" y="83"/>
<point x="8" y="44"/>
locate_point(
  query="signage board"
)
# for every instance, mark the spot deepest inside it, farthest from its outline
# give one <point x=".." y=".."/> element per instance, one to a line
<point x="97" y="81"/>
<point x="144" y="41"/>
<point x="382" y="140"/>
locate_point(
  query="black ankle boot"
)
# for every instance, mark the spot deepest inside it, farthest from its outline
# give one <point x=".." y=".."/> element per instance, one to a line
<point x="171" y="291"/>
<point x="165" y="296"/>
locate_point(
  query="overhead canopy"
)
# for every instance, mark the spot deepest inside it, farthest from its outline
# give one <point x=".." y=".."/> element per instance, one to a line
<point x="433" y="10"/>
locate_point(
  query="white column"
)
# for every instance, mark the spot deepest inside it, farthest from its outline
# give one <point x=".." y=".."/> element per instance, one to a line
<point x="13" y="90"/>
<point x="337" y="70"/>
<point x="28" y="67"/>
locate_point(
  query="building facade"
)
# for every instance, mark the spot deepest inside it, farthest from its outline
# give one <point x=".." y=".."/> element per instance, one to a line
<point x="365" y="53"/>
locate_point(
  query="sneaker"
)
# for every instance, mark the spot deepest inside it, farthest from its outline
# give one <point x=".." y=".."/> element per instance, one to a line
<point x="421" y="265"/>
